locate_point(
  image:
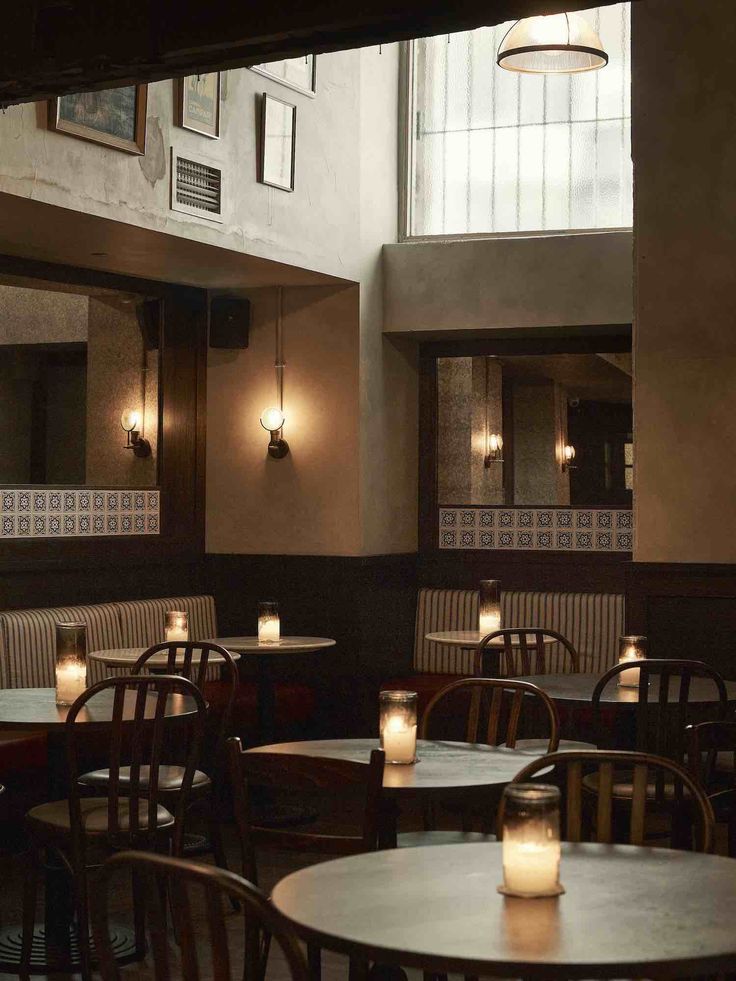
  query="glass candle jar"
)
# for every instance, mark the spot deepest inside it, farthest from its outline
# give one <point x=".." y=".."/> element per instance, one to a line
<point x="531" y="840"/>
<point x="71" y="661"/>
<point x="631" y="648"/>
<point x="177" y="625"/>
<point x="269" y="626"/>
<point x="489" y="606"/>
<point x="398" y="725"/>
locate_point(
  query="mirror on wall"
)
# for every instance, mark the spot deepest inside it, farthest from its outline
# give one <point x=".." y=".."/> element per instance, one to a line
<point x="535" y="430"/>
<point x="70" y="365"/>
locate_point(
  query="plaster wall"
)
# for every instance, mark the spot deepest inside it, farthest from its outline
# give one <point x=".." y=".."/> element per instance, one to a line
<point x="315" y="227"/>
<point x="41" y="316"/>
<point x="540" y="429"/>
<point x="684" y="147"/>
<point x="495" y="283"/>
<point x="308" y="502"/>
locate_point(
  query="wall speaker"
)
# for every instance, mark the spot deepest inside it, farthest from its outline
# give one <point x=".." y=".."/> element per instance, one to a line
<point x="229" y="322"/>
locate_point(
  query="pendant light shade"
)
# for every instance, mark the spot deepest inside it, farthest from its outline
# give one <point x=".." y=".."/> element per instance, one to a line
<point x="555" y="44"/>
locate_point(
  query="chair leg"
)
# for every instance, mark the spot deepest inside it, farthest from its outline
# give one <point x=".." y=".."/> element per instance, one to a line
<point x="314" y="960"/>
<point x="80" y="885"/>
<point x="30" y="891"/>
<point x="218" y="851"/>
<point x="139" y="914"/>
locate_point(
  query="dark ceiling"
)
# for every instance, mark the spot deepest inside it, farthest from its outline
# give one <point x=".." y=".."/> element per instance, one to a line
<point x="49" y="47"/>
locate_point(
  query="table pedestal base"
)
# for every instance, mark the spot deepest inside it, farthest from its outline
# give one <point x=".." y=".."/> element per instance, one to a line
<point x="48" y="958"/>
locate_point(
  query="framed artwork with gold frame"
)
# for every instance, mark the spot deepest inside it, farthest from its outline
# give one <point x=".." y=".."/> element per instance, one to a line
<point x="112" y="117"/>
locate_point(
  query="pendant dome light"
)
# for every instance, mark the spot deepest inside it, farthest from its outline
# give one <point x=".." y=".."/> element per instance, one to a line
<point x="551" y="44"/>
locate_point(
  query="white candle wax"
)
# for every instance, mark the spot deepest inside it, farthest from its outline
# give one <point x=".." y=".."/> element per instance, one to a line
<point x="71" y="681"/>
<point x="630" y="677"/>
<point x="488" y="623"/>
<point x="399" y="741"/>
<point x="530" y="868"/>
<point x="177" y="633"/>
<point x="269" y="629"/>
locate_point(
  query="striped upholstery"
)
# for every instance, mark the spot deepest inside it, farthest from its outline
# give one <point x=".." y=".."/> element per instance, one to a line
<point x="28" y="637"/>
<point x="592" y="622"/>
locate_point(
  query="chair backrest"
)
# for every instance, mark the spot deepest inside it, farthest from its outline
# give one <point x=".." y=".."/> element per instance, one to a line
<point x="704" y="742"/>
<point x="495" y="710"/>
<point x="660" y="720"/>
<point x="184" y="880"/>
<point x="192" y="659"/>
<point x="142" y="713"/>
<point x="652" y="780"/>
<point x="522" y="652"/>
<point x="310" y="775"/>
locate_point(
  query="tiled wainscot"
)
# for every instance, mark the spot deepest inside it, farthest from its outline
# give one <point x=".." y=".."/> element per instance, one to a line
<point x="30" y="513"/>
<point x="548" y="529"/>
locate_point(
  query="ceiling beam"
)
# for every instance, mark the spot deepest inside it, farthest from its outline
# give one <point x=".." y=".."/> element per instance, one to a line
<point x="52" y="47"/>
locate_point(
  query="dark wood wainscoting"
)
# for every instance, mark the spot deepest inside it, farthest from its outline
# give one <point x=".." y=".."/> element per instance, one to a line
<point x="367" y="604"/>
<point x="685" y="611"/>
<point x="577" y="572"/>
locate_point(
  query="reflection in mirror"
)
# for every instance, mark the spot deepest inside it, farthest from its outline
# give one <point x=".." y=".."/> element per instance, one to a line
<point x="504" y="423"/>
<point x="70" y="365"/>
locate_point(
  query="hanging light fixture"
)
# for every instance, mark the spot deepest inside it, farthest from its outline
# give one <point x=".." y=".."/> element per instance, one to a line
<point x="273" y="418"/>
<point x="551" y="44"/>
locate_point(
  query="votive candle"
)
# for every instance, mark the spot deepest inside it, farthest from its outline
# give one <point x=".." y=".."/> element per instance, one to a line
<point x="398" y="726"/>
<point x="177" y="625"/>
<point x="71" y="661"/>
<point x="632" y="648"/>
<point x="531" y="841"/>
<point x="269" y="626"/>
<point x="489" y="606"/>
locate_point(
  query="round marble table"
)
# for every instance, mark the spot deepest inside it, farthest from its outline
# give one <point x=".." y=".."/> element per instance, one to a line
<point x="264" y="655"/>
<point x="577" y="689"/>
<point x="444" y="770"/>
<point x="471" y="638"/>
<point x="626" y="912"/>
<point x="126" y="657"/>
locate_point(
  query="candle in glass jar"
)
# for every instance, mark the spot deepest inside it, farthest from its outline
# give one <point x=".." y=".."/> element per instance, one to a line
<point x="398" y="726"/>
<point x="531" y="841"/>
<point x="631" y="649"/>
<point x="71" y="661"/>
<point x="489" y="606"/>
<point x="269" y="625"/>
<point x="177" y="625"/>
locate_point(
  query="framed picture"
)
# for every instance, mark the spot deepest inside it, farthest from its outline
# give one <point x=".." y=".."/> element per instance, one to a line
<point x="278" y="143"/>
<point x="198" y="104"/>
<point x="113" y="117"/>
<point x="299" y="74"/>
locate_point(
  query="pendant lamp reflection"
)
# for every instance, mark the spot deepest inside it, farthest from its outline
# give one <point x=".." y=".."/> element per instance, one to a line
<point x="552" y="44"/>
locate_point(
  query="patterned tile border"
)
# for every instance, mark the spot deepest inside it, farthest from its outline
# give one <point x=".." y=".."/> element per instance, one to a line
<point x="74" y="513"/>
<point x="537" y="529"/>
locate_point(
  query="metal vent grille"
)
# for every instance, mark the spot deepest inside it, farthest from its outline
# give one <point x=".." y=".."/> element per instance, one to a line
<point x="196" y="188"/>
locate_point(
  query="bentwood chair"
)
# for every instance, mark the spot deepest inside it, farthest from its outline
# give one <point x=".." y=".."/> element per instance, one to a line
<point x="594" y="819"/>
<point x="186" y="883"/>
<point x="491" y="711"/>
<point x="712" y="758"/>
<point x="131" y="814"/>
<point x="181" y="660"/>
<point x="524" y="651"/>
<point x="341" y="780"/>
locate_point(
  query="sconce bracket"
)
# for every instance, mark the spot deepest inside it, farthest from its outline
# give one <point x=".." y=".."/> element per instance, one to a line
<point x="140" y="446"/>
<point x="490" y="458"/>
<point x="278" y="448"/>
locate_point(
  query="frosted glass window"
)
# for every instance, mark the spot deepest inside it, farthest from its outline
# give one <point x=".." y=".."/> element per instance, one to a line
<point x="494" y="151"/>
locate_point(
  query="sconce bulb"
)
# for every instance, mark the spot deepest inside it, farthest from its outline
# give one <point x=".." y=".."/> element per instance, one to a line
<point x="272" y="419"/>
<point x="129" y="420"/>
<point x="495" y="443"/>
<point x="569" y="453"/>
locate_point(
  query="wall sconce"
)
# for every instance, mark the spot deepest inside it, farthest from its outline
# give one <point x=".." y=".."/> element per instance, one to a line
<point x="495" y="449"/>
<point x="129" y="420"/>
<point x="273" y="418"/>
<point x="568" y="455"/>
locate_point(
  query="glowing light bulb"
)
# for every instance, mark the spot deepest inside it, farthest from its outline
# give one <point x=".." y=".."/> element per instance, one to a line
<point x="568" y="453"/>
<point x="272" y="419"/>
<point x="129" y="420"/>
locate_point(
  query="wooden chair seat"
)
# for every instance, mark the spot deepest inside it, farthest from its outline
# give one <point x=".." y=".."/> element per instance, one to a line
<point x="623" y="787"/>
<point x="54" y="817"/>
<point x="416" y="839"/>
<point x="169" y="779"/>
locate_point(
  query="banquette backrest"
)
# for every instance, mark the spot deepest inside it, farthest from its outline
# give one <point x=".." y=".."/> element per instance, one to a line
<point x="592" y="622"/>
<point x="28" y="637"/>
